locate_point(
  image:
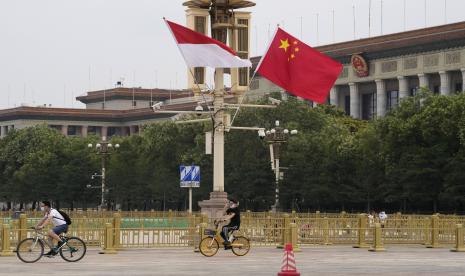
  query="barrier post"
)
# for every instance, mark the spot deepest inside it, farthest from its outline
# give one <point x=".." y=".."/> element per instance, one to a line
<point x="459" y="247"/>
<point x="377" y="240"/>
<point x="434" y="232"/>
<point x="108" y="240"/>
<point x="293" y="239"/>
<point x="117" y="229"/>
<point x="326" y="231"/>
<point x="6" y="250"/>
<point x="22" y="227"/>
<point x="285" y="233"/>
<point x="362" y="227"/>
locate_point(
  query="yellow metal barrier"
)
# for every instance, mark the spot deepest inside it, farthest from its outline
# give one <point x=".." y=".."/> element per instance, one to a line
<point x="154" y="229"/>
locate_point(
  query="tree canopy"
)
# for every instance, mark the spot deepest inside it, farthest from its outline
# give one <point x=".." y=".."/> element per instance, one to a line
<point x="410" y="160"/>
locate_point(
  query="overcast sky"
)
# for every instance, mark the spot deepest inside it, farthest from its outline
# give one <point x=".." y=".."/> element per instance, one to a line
<point x="49" y="48"/>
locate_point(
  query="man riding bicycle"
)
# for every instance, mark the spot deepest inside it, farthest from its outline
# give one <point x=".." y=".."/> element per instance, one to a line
<point x="233" y="214"/>
<point x="59" y="224"/>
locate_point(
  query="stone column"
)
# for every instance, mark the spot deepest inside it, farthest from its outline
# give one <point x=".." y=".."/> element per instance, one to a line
<point x="84" y="131"/>
<point x="64" y="130"/>
<point x="124" y="131"/>
<point x="2" y="133"/>
<point x="463" y="78"/>
<point x="104" y="132"/>
<point x="423" y="81"/>
<point x="381" y="98"/>
<point x="445" y="82"/>
<point x="132" y="130"/>
<point x="354" y="100"/>
<point x="403" y="87"/>
<point x="333" y="96"/>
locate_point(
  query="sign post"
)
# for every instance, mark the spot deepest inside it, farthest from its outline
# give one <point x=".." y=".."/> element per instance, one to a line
<point x="189" y="178"/>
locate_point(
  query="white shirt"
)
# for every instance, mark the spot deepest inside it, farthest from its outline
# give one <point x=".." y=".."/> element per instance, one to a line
<point x="57" y="218"/>
<point x="382" y="216"/>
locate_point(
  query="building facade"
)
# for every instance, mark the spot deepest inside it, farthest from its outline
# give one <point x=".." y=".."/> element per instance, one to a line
<point x="380" y="71"/>
<point x="119" y="111"/>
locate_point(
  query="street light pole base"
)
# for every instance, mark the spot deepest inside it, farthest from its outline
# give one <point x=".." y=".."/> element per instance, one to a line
<point x="214" y="206"/>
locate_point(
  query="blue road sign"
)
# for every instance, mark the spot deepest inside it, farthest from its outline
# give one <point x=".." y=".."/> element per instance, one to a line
<point x="189" y="176"/>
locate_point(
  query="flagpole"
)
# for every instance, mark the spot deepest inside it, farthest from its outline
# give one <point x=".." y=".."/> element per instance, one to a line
<point x="405" y="18"/>
<point x="353" y="15"/>
<point x="133" y="87"/>
<point x="381" y="17"/>
<point x="425" y="12"/>
<point x="334" y="30"/>
<point x="369" y="18"/>
<point x="317" y="31"/>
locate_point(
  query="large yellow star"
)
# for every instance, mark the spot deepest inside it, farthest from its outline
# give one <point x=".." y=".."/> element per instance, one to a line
<point x="284" y="44"/>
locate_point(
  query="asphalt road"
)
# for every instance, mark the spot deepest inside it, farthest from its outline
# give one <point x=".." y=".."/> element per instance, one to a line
<point x="331" y="260"/>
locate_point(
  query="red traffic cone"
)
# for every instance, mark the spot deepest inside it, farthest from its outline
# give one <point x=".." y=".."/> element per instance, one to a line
<point x="289" y="267"/>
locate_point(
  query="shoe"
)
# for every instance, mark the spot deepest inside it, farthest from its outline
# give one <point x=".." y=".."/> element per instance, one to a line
<point x="60" y="243"/>
<point x="227" y="247"/>
<point x="54" y="251"/>
<point x="51" y="253"/>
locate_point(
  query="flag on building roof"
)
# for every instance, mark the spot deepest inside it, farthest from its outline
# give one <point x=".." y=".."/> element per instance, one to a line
<point x="200" y="50"/>
<point x="298" y="68"/>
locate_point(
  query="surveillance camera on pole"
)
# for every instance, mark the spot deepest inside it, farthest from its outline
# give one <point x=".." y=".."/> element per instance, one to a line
<point x="157" y="106"/>
<point x="199" y="110"/>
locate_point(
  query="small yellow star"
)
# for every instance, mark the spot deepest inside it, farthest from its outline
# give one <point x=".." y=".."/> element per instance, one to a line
<point x="295" y="42"/>
<point x="296" y="49"/>
<point x="292" y="56"/>
<point x="284" y="44"/>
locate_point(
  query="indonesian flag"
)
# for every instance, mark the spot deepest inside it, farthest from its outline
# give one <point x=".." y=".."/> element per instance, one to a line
<point x="200" y="50"/>
<point x="298" y="68"/>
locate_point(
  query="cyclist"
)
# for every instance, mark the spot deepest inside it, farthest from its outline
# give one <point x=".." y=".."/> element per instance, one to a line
<point x="59" y="224"/>
<point x="233" y="214"/>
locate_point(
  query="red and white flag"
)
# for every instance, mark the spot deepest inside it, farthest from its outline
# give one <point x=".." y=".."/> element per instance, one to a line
<point x="200" y="50"/>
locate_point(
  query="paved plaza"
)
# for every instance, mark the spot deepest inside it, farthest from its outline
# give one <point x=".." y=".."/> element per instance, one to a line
<point x="332" y="260"/>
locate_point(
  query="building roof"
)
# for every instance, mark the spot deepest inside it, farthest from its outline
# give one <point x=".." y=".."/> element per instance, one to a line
<point x="404" y="43"/>
<point x="156" y="94"/>
<point x="96" y="115"/>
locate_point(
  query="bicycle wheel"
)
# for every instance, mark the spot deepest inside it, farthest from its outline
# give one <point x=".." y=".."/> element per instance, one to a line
<point x="208" y="246"/>
<point x="73" y="250"/>
<point x="30" y="250"/>
<point x="240" y="246"/>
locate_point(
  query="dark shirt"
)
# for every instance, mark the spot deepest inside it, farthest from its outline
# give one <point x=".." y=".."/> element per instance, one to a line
<point x="236" y="220"/>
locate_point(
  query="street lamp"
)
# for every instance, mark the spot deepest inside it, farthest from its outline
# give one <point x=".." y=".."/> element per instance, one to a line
<point x="275" y="137"/>
<point x="104" y="149"/>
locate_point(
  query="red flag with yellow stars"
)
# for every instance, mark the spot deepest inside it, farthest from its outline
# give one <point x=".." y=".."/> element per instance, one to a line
<point x="298" y="68"/>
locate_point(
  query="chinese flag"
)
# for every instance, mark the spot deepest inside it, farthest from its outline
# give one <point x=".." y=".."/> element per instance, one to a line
<point x="298" y="68"/>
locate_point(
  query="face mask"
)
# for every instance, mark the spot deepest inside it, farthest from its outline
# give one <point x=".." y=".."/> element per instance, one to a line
<point x="42" y="208"/>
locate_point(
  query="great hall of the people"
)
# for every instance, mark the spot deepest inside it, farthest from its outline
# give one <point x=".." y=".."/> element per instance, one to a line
<point x="378" y="72"/>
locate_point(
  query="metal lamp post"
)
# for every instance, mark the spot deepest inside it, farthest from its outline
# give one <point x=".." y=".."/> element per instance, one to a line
<point x="275" y="137"/>
<point x="104" y="149"/>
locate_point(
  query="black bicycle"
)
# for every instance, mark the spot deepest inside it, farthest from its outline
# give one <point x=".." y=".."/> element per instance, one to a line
<point x="30" y="250"/>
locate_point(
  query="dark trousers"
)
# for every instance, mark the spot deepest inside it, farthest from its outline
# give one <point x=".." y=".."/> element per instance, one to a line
<point x="226" y="230"/>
